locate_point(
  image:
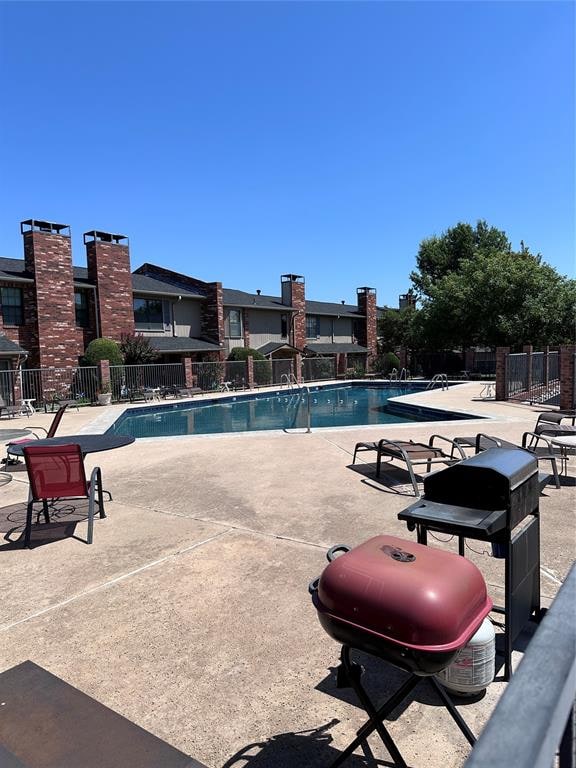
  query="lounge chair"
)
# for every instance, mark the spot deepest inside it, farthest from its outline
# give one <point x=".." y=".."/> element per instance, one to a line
<point x="189" y="391"/>
<point x="9" y="410"/>
<point x="538" y="445"/>
<point x="550" y="423"/>
<point x="57" y="472"/>
<point x="50" y="432"/>
<point x="412" y="454"/>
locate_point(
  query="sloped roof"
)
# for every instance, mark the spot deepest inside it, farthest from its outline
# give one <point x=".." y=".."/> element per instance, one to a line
<point x="179" y="344"/>
<point x="145" y="284"/>
<point x="9" y="348"/>
<point x="233" y="298"/>
<point x="334" y="349"/>
<point x="274" y="346"/>
<point x="329" y="308"/>
<point x="13" y="269"/>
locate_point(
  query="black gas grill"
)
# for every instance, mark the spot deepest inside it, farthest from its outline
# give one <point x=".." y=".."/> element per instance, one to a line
<point x="493" y="496"/>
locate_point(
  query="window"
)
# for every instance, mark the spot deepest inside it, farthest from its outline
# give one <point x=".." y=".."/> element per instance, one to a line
<point x="312" y="326"/>
<point x="283" y="326"/>
<point x="12" y="306"/>
<point x="148" y="315"/>
<point x="81" y="307"/>
<point x="234" y="324"/>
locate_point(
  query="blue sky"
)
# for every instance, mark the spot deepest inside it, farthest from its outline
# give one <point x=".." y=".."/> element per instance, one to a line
<point x="240" y="141"/>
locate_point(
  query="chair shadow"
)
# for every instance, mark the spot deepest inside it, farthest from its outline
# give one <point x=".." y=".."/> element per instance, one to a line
<point x="64" y="517"/>
<point x="312" y="748"/>
<point x="392" y="479"/>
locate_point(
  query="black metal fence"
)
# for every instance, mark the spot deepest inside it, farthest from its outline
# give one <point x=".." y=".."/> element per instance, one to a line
<point x="533" y="377"/>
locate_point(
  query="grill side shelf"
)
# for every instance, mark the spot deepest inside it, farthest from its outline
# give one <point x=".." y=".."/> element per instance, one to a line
<point x="479" y="524"/>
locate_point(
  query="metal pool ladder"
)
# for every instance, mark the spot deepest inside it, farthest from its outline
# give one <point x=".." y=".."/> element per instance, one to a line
<point x="304" y="388"/>
<point x="439" y="379"/>
<point x="290" y="380"/>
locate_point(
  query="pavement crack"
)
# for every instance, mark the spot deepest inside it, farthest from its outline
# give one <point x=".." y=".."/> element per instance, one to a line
<point x="112" y="582"/>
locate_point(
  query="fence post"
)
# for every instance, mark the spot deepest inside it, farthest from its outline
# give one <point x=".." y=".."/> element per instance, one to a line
<point x="188" y="375"/>
<point x="528" y="349"/>
<point x="250" y="371"/>
<point x="298" y="364"/>
<point x="546" y="366"/>
<point x="502" y="373"/>
<point x="16" y="393"/>
<point x="104" y="372"/>
<point x="567" y="364"/>
<point x="469" y="359"/>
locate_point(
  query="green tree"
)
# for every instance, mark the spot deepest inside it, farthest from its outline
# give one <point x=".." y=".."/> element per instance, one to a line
<point x="102" y="349"/>
<point x="500" y="298"/>
<point x="399" y="328"/>
<point x="137" y="349"/>
<point x="440" y="256"/>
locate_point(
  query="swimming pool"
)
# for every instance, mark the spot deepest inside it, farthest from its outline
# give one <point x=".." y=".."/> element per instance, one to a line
<point x="341" y="405"/>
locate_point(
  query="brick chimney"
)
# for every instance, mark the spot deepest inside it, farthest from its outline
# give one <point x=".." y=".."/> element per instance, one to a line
<point x="108" y="259"/>
<point x="367" y="327"/>
<point x="48" y="257"/>
<point x="294" y="295"/>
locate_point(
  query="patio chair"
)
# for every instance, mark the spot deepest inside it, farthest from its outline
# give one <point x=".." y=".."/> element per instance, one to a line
<point x="412" y="454"/>
<point x="550" y="423"/>
<point x="9" y="410"/>
<point x="189" y="391"/>
<point x="538" y="445"/>
<point x="57" y="472"/>
<point x="50" y="432"/>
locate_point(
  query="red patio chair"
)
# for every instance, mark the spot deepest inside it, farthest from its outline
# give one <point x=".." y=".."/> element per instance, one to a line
<point x="57" y="472"/>
<point x="51" y="432"/>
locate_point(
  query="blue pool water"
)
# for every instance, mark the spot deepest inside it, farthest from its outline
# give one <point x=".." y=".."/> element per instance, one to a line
<point x="334" y="406"/>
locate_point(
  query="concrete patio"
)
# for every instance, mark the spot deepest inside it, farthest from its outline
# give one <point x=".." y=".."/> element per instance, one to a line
<point x="190" y="613"/>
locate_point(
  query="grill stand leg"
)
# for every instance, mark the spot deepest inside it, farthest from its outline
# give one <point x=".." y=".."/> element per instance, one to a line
<point x="457" y="717"/>
<point x="354" y="672"/>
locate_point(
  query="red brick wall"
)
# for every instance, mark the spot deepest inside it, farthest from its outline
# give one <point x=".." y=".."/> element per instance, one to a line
<point x="367" y="307"/>
<point x="212" y="323"/>
<point x="294" y="295"/>
<point x="246" y="327"/>
<point x="501" y="368"/>
<point x="53" y="336"/>
<point x="109" y="268"/>
<point x="567" y="374"/>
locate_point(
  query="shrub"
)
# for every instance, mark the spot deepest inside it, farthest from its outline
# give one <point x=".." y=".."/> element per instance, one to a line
<point x="137" y="350"/>
<point x="262" y="371"/>
<point x="102" y="349"/>
<point x="243" y="353"/>
<point x="385" y="362"/>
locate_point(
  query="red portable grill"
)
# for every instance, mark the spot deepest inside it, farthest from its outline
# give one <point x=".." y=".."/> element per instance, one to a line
<point x="411" y="605"/>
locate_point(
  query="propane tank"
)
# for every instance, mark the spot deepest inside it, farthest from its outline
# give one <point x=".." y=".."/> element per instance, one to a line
<point x="473" y="669"/>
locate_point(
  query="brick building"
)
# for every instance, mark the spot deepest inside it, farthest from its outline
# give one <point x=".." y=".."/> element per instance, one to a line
<point x="51" y="310"/>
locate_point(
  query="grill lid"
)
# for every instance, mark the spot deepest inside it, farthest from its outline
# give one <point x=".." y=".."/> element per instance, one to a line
<point x="410" y="594"/>
<point x="489" y="480"/>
